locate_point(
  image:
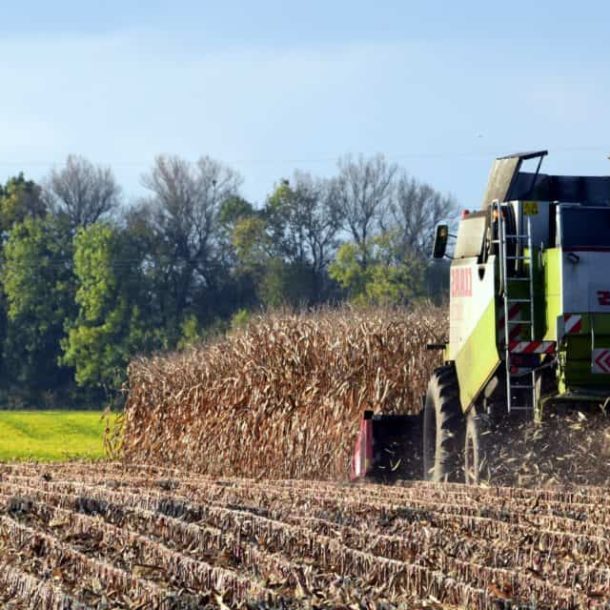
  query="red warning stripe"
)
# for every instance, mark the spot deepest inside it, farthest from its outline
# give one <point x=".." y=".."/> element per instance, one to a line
<point x="572" y="323"/>
<point x="531" y="347"/>
<point x="514" y="313"/>
<point x="515" y="332"/>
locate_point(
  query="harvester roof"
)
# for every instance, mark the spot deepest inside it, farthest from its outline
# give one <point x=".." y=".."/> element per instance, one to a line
<point x="507" y="182"/>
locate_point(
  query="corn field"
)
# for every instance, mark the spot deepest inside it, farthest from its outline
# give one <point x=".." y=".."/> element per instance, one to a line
<point x="110" y="536"/>
<point x="281" y="397"/>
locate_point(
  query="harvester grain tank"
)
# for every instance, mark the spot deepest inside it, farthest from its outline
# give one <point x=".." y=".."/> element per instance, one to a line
<point x="529" y="325"/>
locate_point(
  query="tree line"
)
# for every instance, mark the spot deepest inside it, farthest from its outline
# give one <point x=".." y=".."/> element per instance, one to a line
<point x="88" y="282"/>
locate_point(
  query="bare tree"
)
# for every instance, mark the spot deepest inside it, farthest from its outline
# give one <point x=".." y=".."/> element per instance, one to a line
<point x="362" y="192"/>
<point x="304" y="220"/>
<point x="183" y="210"/>
<point x="416" y="210"/>
<point x="81" y="191"/>
<point x="319" y="218"/>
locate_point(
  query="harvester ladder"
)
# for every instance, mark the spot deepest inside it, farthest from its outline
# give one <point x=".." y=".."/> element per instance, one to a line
<point x="516" y="269"/>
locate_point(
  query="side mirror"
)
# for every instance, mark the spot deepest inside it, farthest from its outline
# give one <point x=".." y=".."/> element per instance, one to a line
<point x="440" y="241"/>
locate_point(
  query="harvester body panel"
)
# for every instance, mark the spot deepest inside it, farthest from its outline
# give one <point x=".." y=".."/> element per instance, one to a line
<point x="529" y="313"/>
<point x="542" y="300"/>
<point x="472" y="330"/>
<point x="553" y="285"/>
<point x="577" y="296"/>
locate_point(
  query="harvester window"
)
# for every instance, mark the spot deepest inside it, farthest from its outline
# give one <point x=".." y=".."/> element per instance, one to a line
<point x="471" y="233"/>
<point x="583" y="227"/>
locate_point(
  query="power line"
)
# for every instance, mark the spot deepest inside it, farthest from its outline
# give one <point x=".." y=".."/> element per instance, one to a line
<point x="481" y="154"/>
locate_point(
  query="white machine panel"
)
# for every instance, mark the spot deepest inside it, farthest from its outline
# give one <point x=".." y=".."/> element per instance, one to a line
<point x="586" y="281"/>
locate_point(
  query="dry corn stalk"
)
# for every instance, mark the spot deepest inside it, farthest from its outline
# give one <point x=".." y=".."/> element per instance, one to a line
<point x="89" y="536"/>
<point x="282" y="397"/>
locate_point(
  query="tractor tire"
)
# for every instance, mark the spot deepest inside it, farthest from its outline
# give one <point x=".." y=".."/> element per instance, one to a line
<point x="444" y="428"/>
<point x="477" y="444"/>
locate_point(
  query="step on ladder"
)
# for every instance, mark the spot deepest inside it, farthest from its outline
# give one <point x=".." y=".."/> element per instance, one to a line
<point x="516" y="269"/>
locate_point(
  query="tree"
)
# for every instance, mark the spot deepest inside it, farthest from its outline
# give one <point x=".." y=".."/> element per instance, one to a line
<point x="231" y="213"/>
<point x="302" y="223"/>
<point x="82" y="192"/>
<point x="284" y="249"/>
<point x="19" y="199"/>
<point x="182" y="214"/>
<point x="252" y="244"/>
<point x="363" y="191"/>
<point x="39" y="289"/>
<point x="389" y="278"/>
<point x="416" y="210"/>
<point x="234" y="209"/>
<point x="113" y="323"/>
<point x="258" y="268"/>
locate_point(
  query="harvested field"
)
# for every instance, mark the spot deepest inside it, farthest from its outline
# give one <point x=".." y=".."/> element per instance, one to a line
<point x="283" y="397"/>
<point x="109" y="536"/>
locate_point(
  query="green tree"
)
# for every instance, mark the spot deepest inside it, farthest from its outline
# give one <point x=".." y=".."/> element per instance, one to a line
<point x="274" y="280"/>
<point x="348" y="271"/>
<point x="38" y="286"/>
<point x="232" y="212"/>
<point x="284" y="249"/>
<point x="389" y="277"/>
<point x="251" y="242"/>
<point x="19" y="199"/>
<point x="190" y="332"/>
<point x="255" y="262"/>
<point x="303" y="221"/>
<point x="112" y="323"/>
<point x="234" y="209"/>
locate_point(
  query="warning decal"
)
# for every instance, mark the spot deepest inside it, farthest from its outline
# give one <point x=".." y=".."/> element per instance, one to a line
<point x="600" y="361"/>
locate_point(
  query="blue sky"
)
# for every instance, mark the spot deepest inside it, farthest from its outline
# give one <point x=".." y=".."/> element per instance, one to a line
<point x="270" y="86"/>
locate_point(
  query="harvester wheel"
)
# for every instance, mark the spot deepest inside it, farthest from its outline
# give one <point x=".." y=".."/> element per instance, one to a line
<point x="443" y="428"/>
<point x="476" y="442"/>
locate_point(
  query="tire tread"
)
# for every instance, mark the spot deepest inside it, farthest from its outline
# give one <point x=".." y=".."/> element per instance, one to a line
<point x="443" y="393"/>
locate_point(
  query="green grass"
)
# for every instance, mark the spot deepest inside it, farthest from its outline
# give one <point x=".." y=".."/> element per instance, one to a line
<point x="51" y="435"/>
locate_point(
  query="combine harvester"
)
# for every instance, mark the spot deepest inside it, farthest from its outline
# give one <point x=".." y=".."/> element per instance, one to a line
<point x="529" y="332"/>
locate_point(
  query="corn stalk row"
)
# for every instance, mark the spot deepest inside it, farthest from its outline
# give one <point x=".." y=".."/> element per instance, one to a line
<point x="282" y="397"/>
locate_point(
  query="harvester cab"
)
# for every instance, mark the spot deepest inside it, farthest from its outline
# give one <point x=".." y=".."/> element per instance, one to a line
<point x="529" y="325"/>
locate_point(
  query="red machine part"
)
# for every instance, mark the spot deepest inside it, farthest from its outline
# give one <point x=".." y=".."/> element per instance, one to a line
<point x="362" y="458"/>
